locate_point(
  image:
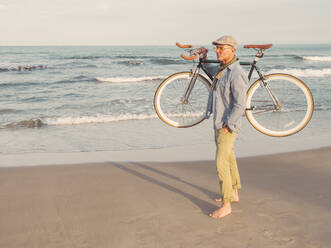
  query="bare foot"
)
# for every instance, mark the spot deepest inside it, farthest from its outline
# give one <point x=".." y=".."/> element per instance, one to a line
<point x="222" y="211"/>
<point x="235" y="195"/>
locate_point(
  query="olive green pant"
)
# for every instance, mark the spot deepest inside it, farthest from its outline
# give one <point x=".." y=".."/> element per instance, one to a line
<point x="226" y="164"/>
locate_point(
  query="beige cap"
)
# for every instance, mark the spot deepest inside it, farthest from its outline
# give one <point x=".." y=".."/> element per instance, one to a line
<point x="226" y="40"/>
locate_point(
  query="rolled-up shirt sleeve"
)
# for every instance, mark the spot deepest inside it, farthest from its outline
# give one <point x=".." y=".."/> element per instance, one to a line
<point x="239" y="85"/>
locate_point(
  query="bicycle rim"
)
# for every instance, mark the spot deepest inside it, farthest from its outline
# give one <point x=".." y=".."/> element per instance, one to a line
<point x="297" y="105"/>
<point x="168" y="100"/>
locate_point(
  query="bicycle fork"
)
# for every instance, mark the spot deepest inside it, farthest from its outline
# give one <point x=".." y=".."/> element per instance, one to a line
<point x="277" y="104"/>
<point x="187" y="94"/>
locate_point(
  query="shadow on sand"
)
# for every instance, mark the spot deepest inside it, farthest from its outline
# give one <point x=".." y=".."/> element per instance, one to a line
<point x="204" y="206"/>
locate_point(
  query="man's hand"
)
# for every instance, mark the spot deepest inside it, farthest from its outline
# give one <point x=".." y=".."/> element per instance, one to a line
<point x="226" y="128"/>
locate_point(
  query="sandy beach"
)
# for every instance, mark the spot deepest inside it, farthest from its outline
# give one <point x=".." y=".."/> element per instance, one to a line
<point x="285" y="202"/>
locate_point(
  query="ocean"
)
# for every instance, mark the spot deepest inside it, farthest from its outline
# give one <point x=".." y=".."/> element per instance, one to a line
<point x="75" y="99"/>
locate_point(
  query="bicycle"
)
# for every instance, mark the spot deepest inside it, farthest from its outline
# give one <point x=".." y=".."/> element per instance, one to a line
<point x="277" y="104"/>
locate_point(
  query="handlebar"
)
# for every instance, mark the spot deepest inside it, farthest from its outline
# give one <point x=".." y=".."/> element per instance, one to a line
<point x="183" y="46"/>
<point x="189" y="58"/>
<point x="195" y="53"/>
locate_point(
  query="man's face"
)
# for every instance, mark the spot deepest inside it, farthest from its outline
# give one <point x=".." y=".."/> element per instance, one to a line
<point x="224" y="53"/>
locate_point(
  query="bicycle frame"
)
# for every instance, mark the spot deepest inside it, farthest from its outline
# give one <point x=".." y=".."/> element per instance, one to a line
<point x="277" y="104"/>
<point x="252" y="64"/>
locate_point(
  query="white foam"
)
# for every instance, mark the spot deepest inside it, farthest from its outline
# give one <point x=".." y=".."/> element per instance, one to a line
<point x="128" y="79"/>
<point x="317" y="58"/>
<point x="71" y="120"/>
<point x="304" y="72"/>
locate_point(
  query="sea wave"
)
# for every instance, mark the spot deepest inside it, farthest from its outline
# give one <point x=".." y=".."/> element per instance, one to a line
<point x="100" y="118"/>
<point x="299" y="57"/>
<point x="71" y="120"/>
<point x="75" y="64"/>
<point x="81" y="120"/>
<point x="23" y="68"/>
<point x="76" y="79"/>
<point x="131" y="62"/>
<point x="304" y="72"/>
<point x="129" y="79"/>
<point x="134" y="57"/>
<point x="322" y="108"/>
<point x="88" y="57"/>
<point x="317" y="58"/>
<point x="167" y="61"/>
<point x="18" y="84"/>
<point x="287" y="56"/>
<point x="152" y="59"/>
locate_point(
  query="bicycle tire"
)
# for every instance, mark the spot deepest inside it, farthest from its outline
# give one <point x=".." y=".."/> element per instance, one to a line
<point x="168" y="104"/>
<point x="294" y="114"/>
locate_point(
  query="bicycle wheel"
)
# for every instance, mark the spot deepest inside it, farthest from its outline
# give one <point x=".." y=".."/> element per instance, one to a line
<point x="168" y="102"/>
<point x="295" y="109"/>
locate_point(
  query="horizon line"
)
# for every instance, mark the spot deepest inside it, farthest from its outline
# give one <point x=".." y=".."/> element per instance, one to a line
<point x="137" y="45"/>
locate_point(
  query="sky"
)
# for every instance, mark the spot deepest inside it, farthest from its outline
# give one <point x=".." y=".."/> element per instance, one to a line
<point x="154" y="22"/>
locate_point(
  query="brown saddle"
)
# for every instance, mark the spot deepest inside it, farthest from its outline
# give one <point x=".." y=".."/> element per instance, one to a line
<point x="266" y="46"/>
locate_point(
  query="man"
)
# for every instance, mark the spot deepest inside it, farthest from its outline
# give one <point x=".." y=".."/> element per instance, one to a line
<point x="228" y="106"/>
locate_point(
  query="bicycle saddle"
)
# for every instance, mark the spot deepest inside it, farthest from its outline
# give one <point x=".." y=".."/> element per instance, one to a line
<point x="266" y="46"/>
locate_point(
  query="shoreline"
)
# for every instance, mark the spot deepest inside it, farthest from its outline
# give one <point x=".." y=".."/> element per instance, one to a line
<point x="204" y="152"/>
<point x="132" y="141"/>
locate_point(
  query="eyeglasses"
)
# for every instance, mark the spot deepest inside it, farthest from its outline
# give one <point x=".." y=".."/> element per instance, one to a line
<point x="221" y="49"/>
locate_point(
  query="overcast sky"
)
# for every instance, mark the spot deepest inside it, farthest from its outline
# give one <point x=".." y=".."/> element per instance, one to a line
<point x="154" y="22"/>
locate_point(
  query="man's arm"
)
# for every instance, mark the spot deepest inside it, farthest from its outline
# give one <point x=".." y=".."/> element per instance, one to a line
<point x="239" y="85"/>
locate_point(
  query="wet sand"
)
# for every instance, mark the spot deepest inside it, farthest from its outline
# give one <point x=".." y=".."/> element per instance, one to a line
<point x="285" y="202"/>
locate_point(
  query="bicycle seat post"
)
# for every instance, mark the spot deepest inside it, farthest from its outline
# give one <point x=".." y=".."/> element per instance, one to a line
<point x="259" y="55"/>
<point x="260" y="50"/>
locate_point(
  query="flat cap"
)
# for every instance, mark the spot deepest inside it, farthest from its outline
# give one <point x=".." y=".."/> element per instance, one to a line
<point x="226" y="40"/>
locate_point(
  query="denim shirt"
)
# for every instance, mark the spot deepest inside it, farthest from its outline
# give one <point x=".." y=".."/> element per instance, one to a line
<point x="228" y="101"/>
